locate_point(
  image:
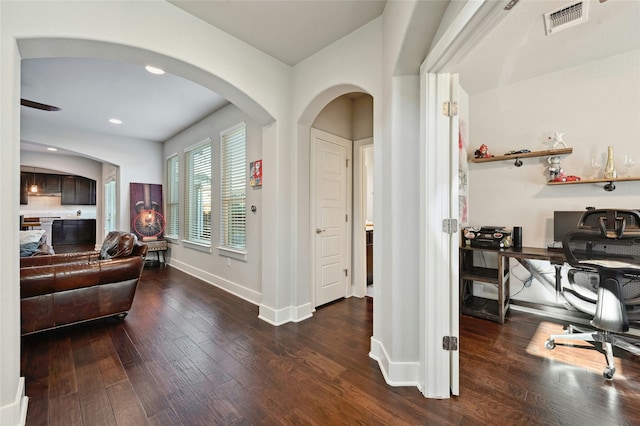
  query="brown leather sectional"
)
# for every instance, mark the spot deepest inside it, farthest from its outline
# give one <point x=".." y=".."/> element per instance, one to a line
<point x="64" y="289"/>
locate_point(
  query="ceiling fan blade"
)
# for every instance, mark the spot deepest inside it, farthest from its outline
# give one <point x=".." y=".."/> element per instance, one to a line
<point x="38" y="105"/>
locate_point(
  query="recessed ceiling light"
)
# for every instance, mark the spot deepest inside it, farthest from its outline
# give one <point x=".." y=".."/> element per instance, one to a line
<point x="154" y="70"/>
<point x="115" y="121"/>
<point x="52" y="149"/>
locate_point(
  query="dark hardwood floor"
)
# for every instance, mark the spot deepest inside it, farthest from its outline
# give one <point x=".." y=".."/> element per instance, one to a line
<point x="191" y="354"/>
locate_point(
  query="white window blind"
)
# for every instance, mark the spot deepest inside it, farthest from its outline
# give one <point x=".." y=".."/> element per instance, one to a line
<point x="173" y="199"/>
<point x="198" y="194"/>
<point x="233" y="191"/>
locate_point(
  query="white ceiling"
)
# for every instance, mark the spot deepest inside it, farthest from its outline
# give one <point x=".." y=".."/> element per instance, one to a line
<point x="287" y="30"/>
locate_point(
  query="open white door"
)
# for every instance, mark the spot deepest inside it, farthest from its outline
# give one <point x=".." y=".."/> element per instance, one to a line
<point x="331" y="215"/>
<point x="439" y="228"/>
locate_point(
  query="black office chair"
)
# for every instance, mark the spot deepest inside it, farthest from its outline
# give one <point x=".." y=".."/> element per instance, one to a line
<point x="605" y="282"/>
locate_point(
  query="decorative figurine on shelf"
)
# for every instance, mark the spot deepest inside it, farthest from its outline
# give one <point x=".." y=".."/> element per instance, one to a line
<point x="482" y="152"/>
<point x="556" y="141"/>
<point x="610" y="167"/>
<point x="555" y="170"/>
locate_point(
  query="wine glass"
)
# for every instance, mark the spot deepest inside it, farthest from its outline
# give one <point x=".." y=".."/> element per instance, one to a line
<point x="629" y="162"/>
<point x="595" y="166"/>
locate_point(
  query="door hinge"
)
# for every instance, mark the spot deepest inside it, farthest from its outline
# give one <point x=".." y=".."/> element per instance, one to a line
<point x="450" y="109"/>
<point x="449" y="226"/>
<point x="347" y="163"/>
<point x="346" y="272"/>
<point x="450" y="343"/>
<point x="346" y="218"/>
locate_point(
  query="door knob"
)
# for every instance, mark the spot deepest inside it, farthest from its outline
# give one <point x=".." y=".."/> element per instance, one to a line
<point x="319" y="231"/>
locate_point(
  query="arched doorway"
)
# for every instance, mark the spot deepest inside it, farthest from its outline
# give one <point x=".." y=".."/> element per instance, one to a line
<point x="348" y="118"/>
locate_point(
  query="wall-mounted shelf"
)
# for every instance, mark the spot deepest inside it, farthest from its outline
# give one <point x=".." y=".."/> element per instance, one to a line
<point x="518" y="157"/>
<point x="609" y="183"/>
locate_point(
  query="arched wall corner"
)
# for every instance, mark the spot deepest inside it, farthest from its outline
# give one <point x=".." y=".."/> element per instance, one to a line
<point x="302" y="163"/>
<point x="84" y="48"/>
<point x="322" y="99"/>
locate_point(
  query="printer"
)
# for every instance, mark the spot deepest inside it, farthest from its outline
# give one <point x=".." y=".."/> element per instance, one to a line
<point x="491" y="237"/>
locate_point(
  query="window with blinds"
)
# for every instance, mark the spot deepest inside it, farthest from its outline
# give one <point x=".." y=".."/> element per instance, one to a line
<point x="233" y="189"/>
<point x="198" y="194"/>
<point x="173" y="199"/>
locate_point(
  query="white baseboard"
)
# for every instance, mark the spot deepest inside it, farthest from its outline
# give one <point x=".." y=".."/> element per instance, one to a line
<point x="394" y="373"/>
<point x="282" y="316"/>
<point x="247" y="294"/>
<point x="15" y="413"/>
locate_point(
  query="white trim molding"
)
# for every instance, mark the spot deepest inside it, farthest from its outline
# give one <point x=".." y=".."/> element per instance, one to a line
<point x="395" y="373"/>
<point x="242" y="292"/>
<point x="289" y="314"/>
<point x="15" y="413"/>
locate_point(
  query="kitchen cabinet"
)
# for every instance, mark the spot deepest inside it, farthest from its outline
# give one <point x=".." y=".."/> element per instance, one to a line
<point x="52" y="184"/>
<point x="47" y="184"/>
<point x="73" y="231"/>
<point x="78" y="190"/>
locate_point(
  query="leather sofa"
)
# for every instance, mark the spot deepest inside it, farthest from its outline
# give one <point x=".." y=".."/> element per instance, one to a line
<point x="63" y="289"/>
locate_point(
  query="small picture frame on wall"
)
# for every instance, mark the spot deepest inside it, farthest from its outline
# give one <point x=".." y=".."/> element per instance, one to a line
<point x="255" y="173"/>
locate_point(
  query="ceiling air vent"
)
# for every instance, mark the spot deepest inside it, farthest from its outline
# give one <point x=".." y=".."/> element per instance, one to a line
<point x="566" y="17"/>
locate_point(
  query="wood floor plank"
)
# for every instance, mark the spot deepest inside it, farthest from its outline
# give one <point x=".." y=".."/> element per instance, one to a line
<point x="147" y="389"/>
<point x="126" y="406"/>
<point x="96" y="408"/>
<point x="108" y="361"/>
<point x="65" y="411"/>
<point x="61" y="369"/>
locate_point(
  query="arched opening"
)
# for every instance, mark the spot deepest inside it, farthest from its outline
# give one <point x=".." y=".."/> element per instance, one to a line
<point x="345" y="113"/>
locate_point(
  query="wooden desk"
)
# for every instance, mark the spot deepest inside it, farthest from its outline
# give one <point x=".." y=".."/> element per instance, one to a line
<point x="555" y="257"/>
<point x="496" y="310"/>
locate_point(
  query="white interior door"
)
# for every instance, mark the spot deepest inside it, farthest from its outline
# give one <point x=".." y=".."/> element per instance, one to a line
<point x="331" y="216"/>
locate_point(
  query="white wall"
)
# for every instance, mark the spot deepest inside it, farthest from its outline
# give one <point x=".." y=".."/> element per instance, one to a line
<point x="362" y="118"/>
<point x="236" y="276"/>
<point x="596" y="104"/>
<point x="336" y="118"/>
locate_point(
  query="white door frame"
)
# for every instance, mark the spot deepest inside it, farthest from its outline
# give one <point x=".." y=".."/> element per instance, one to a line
<point x="315" y="133"/>
<point x="360" y="217"/>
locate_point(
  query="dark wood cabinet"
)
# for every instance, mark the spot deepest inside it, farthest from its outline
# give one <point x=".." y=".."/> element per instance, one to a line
<point x="47" y="184"/>
<point x="52" y="184"/>
<point x="73" y="231"/>
<point x="78" y="190"/>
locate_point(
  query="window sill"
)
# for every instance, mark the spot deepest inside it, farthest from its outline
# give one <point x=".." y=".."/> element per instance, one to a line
<point x="197" y="246"/>
<point x="234" y="254"/>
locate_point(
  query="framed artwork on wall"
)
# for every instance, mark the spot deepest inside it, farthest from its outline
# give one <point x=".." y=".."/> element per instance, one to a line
<point x="147" y="219"/>
<point x="255" y="173"/>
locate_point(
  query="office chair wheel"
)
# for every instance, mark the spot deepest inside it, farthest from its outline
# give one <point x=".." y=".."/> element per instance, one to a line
<point x="608" y="373"/>
<point x="550" y="344"/>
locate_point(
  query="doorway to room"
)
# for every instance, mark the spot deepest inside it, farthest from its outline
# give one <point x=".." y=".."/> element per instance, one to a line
<point x="343" y="264"/>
